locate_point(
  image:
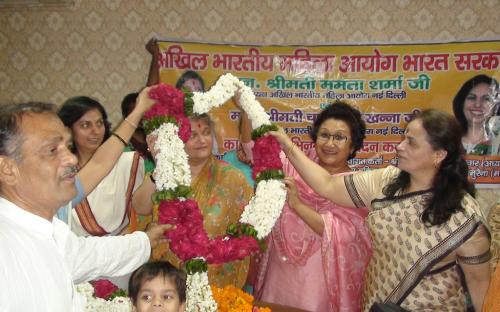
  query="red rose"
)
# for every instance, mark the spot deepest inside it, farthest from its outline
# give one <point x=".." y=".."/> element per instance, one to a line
<point x="169" y="102"/>
<point x="266" y="155"/>
<point x="184" y="128"/>
<point x="103" y="288"/>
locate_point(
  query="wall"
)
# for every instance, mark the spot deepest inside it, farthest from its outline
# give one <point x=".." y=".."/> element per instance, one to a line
<point x="51" y="52"/>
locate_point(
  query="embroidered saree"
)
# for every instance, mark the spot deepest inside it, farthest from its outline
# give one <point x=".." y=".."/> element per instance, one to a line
<point x="315" y="272"/>
<point x="222" y="193"/>
<point x="412" y="265"/>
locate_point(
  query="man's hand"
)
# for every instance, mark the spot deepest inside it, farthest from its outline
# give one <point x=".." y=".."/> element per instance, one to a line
<point x="152" y="46"/>
<point x="156" y="233"/>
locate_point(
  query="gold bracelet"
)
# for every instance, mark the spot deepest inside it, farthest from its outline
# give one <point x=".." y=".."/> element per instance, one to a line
<point x="130" y="123"/>
<point x="290" y="149"/>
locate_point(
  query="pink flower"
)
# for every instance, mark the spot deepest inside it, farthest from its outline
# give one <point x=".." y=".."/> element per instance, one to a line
<point x="103" y="288"/>
<point x="169" y="102"/>
<point x="156" y="110"/>
<point x="184" y="128"/>
<point x="266" y="155"/>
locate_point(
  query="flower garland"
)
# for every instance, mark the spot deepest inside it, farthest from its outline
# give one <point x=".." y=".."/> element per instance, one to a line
<point x="104" y="296"/>
<point x="167" y="121"/>
<point x="232" y="299"/>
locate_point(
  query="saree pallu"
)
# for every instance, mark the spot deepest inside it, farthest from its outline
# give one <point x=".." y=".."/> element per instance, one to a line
<point x="107" y="209"/>
<point x="405" y="267"/>
<point x="222" y="193"/>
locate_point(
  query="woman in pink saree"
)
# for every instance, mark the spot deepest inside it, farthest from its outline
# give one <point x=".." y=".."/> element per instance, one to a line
<point x="317" y="252"/>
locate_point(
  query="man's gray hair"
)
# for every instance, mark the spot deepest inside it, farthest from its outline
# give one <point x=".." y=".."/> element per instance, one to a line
<point x="10" y="120"/>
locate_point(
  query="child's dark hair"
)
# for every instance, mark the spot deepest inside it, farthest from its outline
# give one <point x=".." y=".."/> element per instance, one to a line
<point x="151" y="270"/>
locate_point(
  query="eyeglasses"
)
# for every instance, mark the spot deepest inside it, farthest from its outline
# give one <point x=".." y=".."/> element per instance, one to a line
<point x="338" y="138"/>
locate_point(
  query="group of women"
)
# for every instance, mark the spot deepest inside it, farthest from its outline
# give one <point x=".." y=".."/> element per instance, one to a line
<point x="412" y="235"/>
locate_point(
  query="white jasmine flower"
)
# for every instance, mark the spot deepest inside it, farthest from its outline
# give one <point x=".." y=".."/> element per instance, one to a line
<point x="198" y="294"/>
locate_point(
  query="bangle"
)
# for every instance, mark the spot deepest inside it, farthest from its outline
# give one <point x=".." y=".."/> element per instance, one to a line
<point x="290" y="149"/>
<point x="130" y="123"/>
<point x="119" y="138"/>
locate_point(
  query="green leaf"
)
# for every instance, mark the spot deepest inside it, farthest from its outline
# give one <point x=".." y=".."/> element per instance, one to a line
<point x="195" y="266"/>
<point x="260" y="131"/>
<point x="269" y="175"/>
<point x="119" y="293"/>
<point x="154" y="123"/>
<point x="188" y="101"/>
<point x="245" y="229"/>
<point x="183" y="191"/>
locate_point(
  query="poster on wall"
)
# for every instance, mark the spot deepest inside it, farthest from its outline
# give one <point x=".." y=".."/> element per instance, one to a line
<point x="387" y="83"/>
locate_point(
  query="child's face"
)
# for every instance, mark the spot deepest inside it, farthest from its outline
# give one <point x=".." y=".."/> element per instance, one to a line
<point x="158" y="294"/>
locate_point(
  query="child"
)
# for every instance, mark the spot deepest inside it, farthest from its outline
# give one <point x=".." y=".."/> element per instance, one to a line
<point x="159" y="286"/>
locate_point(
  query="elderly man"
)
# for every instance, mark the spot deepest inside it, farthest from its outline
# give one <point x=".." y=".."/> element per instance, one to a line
<point x="40" y="258"/>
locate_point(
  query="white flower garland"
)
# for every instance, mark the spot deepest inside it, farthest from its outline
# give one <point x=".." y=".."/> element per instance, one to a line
<point x="198" y="294"/>
<point x="265" y="207"/>
<point x="222" y="91"/>
<point x="172" y="169"/>
<point x="118" y="304"/>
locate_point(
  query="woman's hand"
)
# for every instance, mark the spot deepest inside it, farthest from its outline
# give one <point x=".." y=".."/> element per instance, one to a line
<point x="144" y="103"/>
<point x="151" y="141"/>
<point x="237" y="100"/>
<point x="292" y="194"/>
<point x="311" y="217"/>
<point x="283" y="139"/>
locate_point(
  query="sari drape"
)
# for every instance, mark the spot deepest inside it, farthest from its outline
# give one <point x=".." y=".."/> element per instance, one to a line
<point x="222" y="193"/>
<point x="413" y="265"/>
<point x="311" y="271"/>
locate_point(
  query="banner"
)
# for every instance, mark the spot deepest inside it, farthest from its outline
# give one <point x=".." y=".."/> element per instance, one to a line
<point x="387" y="83"/>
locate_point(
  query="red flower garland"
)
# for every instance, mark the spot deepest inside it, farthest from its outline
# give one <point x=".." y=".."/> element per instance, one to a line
<point x="266" y="155"/>
<point x="189" y="239"/>
<point x="103" y="288"/>
<point x="166" y="94"/>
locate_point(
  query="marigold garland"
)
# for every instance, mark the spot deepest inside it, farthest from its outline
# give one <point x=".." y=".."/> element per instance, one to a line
<point x="232" y="299"/>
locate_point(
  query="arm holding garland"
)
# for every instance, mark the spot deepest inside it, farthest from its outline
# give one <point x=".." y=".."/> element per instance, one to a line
<point x="330" y="187"/>
<point x="154" y="68"/>
<point x="108" y="153"/>
<point x="312" y="218"/>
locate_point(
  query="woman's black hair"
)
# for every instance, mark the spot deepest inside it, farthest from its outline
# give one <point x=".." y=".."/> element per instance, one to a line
<point x="75" y="107"/>
<point x="128" y="103"/>
<point x="189" y="74"/>
<point x="351" y="116"/>
<point x="459" y="100"/>
<point x="450" y="183"/>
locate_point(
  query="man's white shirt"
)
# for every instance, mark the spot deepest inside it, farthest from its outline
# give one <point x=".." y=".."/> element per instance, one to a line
<point x="41" y="261"/>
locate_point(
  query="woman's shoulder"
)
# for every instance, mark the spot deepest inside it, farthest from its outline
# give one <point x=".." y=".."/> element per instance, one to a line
<point x="226" y="166"/>
<point x="124" y="163"/>
<point x="471" y="207"/>
<point x="385" y="174"/>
